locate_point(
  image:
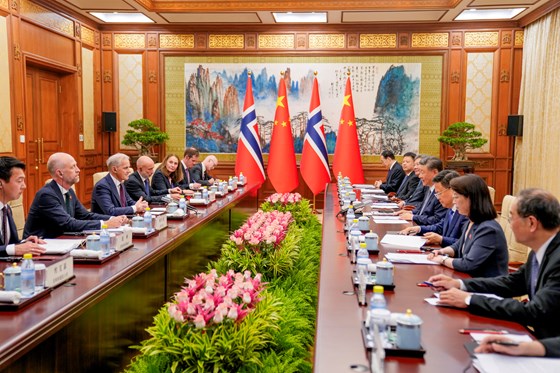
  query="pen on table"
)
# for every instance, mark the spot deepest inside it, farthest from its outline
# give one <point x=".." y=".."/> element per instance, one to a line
<point x="485" y="331"/>
<point x="505" y="343"/>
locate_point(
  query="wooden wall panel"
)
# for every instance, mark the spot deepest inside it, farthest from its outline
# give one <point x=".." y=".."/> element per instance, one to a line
<point x="40" y="42"/>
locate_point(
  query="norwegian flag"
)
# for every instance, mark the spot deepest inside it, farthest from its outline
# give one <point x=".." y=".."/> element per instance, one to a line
<point x="314" y="164"/>
<point x="249" y="158"/>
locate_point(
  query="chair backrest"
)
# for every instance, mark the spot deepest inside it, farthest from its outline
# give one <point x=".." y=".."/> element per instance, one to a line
<point x="98" y="176"/>
<point x="18" y="214"/>
<point x="73" y="186"/>
<point x="517" y="252"/>
<point x="492" y="193"/>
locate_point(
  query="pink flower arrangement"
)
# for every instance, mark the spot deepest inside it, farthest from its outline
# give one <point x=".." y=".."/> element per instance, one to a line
<point x="263" y="227"/>
<point x="284" y="198"/>
<point x="209" y="299"/>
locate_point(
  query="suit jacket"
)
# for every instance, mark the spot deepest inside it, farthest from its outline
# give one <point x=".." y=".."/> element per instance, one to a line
<point x="483" y="251"/>
<point x="48" y="218"/>
<point x="187" y="179"/>
<point x="395" y="177"/>
<point x="541" y="312"/>
<point x="199" y="176"/>
<point x="13" y="235"/>
<point x="450" y="231"/>
<point x="160" y="181"/>
<point x="105" y="199"/>
<point x="135" y="188"/>
<point x="552" y="346"/>
<point x="408" y="186"/>
<point x="417" y="196"/>
<point x="432" y="212"/>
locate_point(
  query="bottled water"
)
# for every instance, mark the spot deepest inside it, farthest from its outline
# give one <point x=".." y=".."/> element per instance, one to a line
<point x="205" y="194"/>
<point x="105" y="241"/>
<point x="183" y="204"/>
<point x="241" y="178"/>
<point x="354" y="244"/>
<point x="363" y="252"/>
<point x="27" y="276"/>
<point x="377" y="300"/>
<point x="148" y="220"/>
<point x="378" y="313"/>
<point x="350" y="217"/>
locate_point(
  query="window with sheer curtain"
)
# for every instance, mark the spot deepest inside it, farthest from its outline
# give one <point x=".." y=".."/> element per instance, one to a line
<point x="537" y="153"/>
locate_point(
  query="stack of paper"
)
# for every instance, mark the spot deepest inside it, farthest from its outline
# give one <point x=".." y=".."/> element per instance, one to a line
<point x="409" y="258"/>
<point x="385" y="206"/>
<point x="61" y="245"/>
<point x="496" y="363"/>
<point x="404" y="241"/>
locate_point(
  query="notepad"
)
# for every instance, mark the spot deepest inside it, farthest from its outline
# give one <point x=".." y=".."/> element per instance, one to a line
<point x="389" y="221"/>
<point x="61" y="245"/>
<point x="409" y="258"/>
<point x="497" y="363"/>
<point x="403" y="241"/>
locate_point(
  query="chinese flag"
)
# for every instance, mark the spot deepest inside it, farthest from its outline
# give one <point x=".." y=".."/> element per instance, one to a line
<point x="282" y="169"/>
<point x="314" y="164"/>
<point x="347" y="159"/>
<point x="249" y="159"/>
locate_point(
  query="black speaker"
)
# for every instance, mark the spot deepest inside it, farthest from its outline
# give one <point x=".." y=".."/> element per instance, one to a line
<point x="109" y="119"/>
<point x="515" y="125"/>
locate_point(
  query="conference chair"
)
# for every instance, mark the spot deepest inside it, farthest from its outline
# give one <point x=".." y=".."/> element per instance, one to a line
<point x="17" y="214"/>
<point x="492" y="193"/>
<point x="98" y="176"/>
<point x="517" y="253"/>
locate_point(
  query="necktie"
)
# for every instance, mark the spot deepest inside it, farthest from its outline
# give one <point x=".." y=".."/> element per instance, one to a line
<point x="403" y="183"/>
<point x="5" y="230"/>
<point x="121" y="195"/>
<point x="534" y="275"/>
<point x="67" y="202"/>
<point x="426" y="200"/>
<point x="147" y="187"/>
<point x="450" y="215"/>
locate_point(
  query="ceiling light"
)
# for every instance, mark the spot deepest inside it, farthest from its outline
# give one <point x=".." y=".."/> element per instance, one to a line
<point x="485" y="14"/>
<point x="290" y="17"/>
<point x="122" y="17"/>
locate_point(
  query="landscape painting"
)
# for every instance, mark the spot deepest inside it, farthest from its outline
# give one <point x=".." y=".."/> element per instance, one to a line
<point x="386" y="103"/>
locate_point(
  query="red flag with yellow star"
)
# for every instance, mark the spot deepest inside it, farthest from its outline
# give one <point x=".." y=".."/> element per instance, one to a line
<point x="282" y="169"/>
<point x="347" y="159"/>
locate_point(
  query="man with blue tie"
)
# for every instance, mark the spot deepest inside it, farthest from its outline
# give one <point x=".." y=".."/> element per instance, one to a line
<point x="56" y="208"/>
<point x="448" y="230"/>
<point x="190" y="159"/>
<point x="138" y="183"/>
<point x="12" y="184"/>
<point x="109" y="195"/>
<point x="411" y="180"/>
<point x="395" y="175"/>
<point x="535" y="222"/>
<point x="430" y="211"/>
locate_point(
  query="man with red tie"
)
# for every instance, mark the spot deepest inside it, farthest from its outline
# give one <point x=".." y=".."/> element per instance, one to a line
<point x="12" y="184"/>
<point x="109" y="194"/>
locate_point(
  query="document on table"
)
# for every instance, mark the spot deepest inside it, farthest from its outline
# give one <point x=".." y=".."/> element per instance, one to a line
<point x="478" y="337"/>
<point x="498" y="363"/>
<point x="435" y="299"/>
<point x="404" y="241"/>
<point x="389" y="220"/>
<point x="409" y="258"/>
<point x="61" y="245"/>
<point x="385" y="206"/>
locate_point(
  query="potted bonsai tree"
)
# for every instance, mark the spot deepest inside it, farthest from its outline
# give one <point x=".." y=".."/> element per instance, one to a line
<point x="144" y="135"/>
<point x="462" y="136"/>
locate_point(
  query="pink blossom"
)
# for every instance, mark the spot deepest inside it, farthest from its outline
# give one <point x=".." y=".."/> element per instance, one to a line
<point x="199" y="322"/>
<point x="218" y="317"/>
<point x="175" y="313"/>
<point x="246" y="297"/>
<point x="232" y="314"/>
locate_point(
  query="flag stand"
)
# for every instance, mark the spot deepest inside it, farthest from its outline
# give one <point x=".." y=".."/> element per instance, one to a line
<point x="314" y="210"/>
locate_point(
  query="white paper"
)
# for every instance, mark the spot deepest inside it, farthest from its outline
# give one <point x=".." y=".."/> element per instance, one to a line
<point x="158" y="209"/>
<point x="498" y="363"/>
<point x="197" y="201"/>
<point x="403" y="241"/>
<point x="385" y="206"/>
<point x="514" y="337"/>
<point x="61" y="245"/>
<point x="409" y="258"/>
<point x="389" y="220"/>
<point x="363" y="186"/>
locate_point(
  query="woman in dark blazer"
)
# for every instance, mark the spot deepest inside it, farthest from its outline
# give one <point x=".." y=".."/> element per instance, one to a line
<point x="168" y="175"/>
<point x="481" y="251"/>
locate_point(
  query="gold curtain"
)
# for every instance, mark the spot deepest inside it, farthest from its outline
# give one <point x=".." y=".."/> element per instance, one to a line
<point x="537" y="153"/>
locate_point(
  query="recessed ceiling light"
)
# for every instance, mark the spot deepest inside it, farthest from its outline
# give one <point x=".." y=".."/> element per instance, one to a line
<point x="290" y="17"/>
<point x="115" y="17"/>
<point x="485" y="14"/>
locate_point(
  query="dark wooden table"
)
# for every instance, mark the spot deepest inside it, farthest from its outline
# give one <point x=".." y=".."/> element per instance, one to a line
<point x="88" y="324"/>
<point x="338" y="340"/>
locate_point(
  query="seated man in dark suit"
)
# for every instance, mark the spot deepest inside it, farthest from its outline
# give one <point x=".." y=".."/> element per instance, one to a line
<point x="419" y="192"/>
<point x="395" y="175"/>
<point x="190" y="158"/>
<point x="430" y="211"/>
<point x="12" y="184"/>
<point x="56" y="209"/>
<point x="200" y="170"/>
<point x="138" y="183"/>
<point x="411" y="180"/>
<point x="448" y="230"/>
<point x="109" y="195"/>
<point x="535" y="222"/>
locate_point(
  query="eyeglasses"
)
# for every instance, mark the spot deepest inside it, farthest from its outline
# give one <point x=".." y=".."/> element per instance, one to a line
<point x="437" y="194"/>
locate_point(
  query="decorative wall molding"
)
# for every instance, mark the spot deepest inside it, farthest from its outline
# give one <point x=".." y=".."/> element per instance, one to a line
<point x="251" y="41"/>
<point x="19" y="122"/>
<point x="152" y="41"/>
<point x="98" y="76"/>
<point x="88" y="36"/>
<point x="301" y="41"/>
<point x="455" y="77"/>
<point x="107" y="76"/>
<point x="79" y="69"/>
<point x="506" y="38"/>
<point x="201" y="41"/>
<point x="504" y="76"/>
<point x="46" y="17"/>
<point x="4" y="4"/>
<point x="130" y="41"/>
<point x="176" y="41"/>
<point x="519" y="35"/>
<point x="77" y="30"/>
<point x="152" y="76"/>
<point x="353" y="41"/>
<point x="430" y="39"/>
<point x="378" y="41"/>
<point x="230" y="41"/>
<point x="17" y="52"/>
<point x="326" y="41"/>
<point x="276" y="41"/>
<point x="482" y="39"/>
<point x="456" y="40"/>
<point x="15" y="5"/>
<point x="107" y="40"/>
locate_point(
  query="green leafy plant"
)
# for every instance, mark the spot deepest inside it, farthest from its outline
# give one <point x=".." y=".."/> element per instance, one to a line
<point x="144" y="135"/>
<point x="461" y="136"/>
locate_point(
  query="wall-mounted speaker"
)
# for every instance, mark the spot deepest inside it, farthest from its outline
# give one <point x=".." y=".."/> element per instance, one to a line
<point x="515" y="125"/>
<point x="109" y="119"/>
